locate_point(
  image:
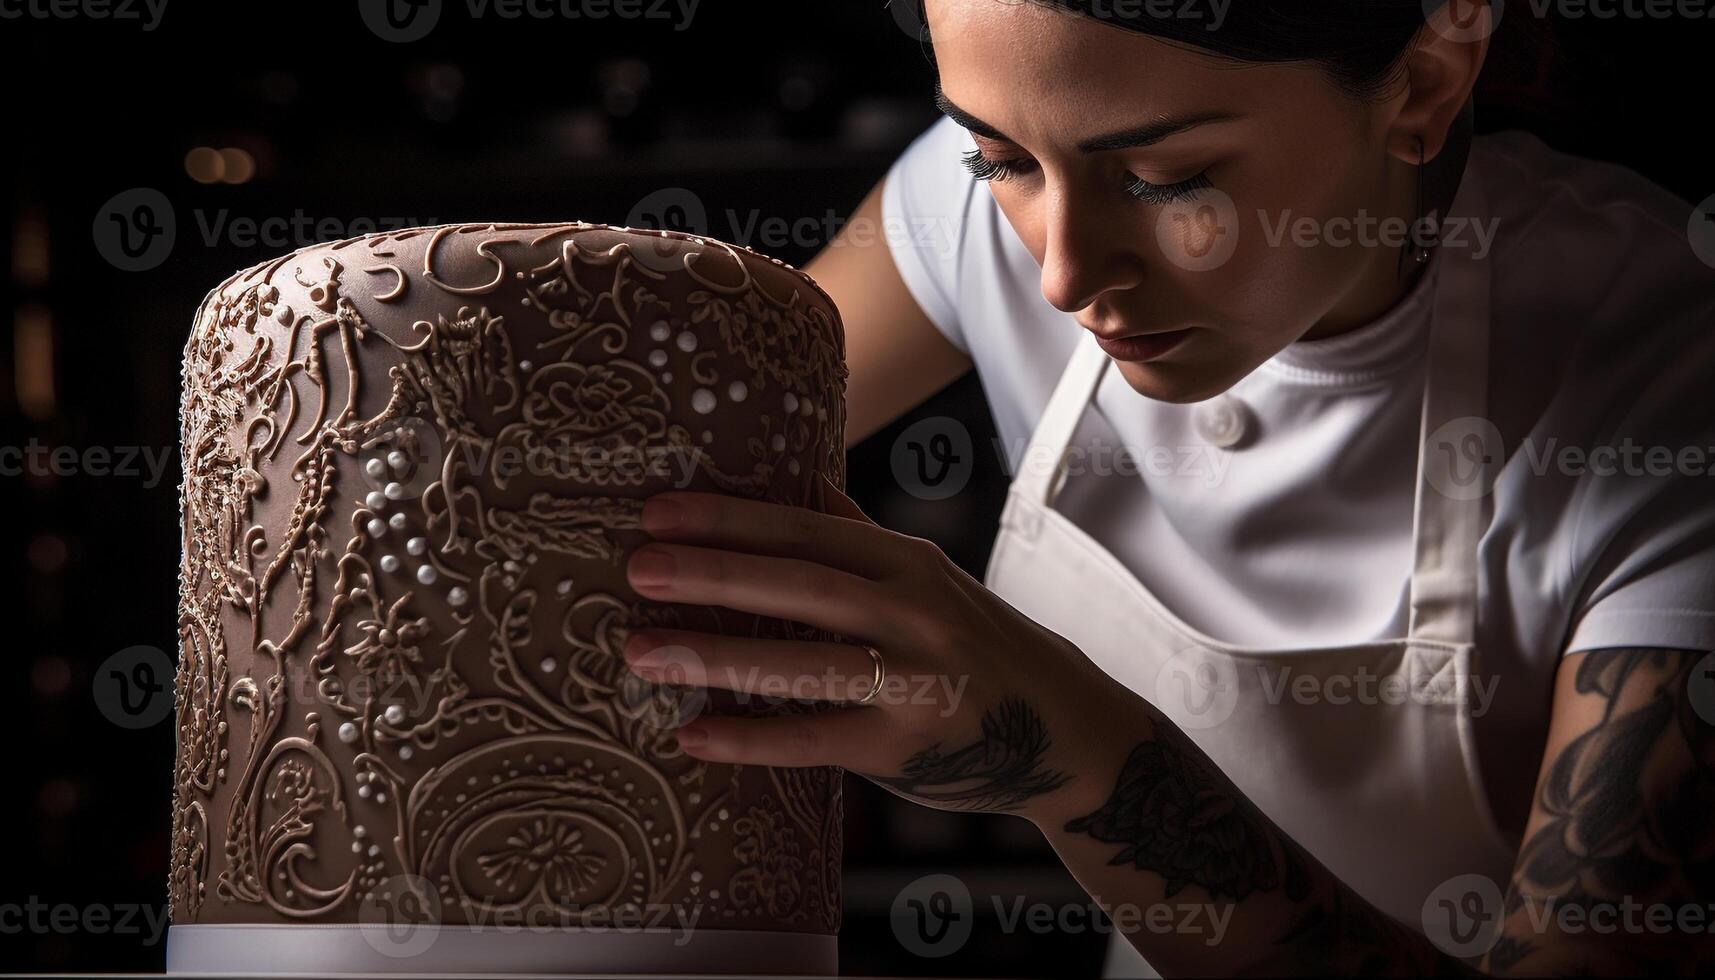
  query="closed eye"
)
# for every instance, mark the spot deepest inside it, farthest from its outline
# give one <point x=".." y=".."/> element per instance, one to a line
<point x="982" y="168"/>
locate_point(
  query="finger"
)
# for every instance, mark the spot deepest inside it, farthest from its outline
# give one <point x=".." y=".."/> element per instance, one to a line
<point x="844" y="737"/>
<point x="757" y="526"/>
<point x="835" y="502"/>
<point x="800" y="670"/>
<point x="787" y="588"/>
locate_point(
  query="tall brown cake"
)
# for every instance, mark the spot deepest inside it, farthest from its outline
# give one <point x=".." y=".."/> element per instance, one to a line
<point x="407" y="740"/>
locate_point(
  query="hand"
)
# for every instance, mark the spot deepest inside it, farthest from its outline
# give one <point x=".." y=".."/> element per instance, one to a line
<point x="978" y="701"/>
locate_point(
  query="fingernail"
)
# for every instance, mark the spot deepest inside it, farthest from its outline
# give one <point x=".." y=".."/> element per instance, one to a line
<point x="661" y="514"/>
<point x="692" y="737"/>
<point x="652" y="567"/>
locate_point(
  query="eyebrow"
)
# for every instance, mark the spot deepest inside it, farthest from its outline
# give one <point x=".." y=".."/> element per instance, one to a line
<point x="1145" y="135"/>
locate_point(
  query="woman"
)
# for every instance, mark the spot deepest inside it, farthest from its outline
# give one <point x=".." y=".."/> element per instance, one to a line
<point x="1400" y="604"/>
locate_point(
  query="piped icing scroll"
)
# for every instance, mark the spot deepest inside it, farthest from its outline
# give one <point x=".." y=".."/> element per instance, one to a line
<point x="414" y="467"/>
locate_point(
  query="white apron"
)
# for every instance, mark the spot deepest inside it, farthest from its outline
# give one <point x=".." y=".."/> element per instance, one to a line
<point x="1383" y="789"/>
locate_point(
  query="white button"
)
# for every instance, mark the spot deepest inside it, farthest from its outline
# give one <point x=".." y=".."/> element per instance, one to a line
<point x="1222" y="421"/>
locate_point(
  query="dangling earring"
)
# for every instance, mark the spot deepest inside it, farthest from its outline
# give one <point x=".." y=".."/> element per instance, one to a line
<point x="1418" y="244"/>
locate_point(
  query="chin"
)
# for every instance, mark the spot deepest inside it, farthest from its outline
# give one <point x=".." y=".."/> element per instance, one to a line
<point x="1179" y="384"/>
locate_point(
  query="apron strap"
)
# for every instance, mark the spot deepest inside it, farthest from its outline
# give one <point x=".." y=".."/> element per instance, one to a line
<point x="1042" y="471"/>
<point x="1459" y="450"/>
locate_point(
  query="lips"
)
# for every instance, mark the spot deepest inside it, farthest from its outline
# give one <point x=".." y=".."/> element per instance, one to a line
<point x="1143" y="347"/>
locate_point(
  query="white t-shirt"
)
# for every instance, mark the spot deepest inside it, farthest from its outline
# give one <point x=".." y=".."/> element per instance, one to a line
<point x="1602" y="335"/>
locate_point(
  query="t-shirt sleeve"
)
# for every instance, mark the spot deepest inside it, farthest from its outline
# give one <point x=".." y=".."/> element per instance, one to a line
<point x="1643" y="515"/>
<point x="925" y="202"/>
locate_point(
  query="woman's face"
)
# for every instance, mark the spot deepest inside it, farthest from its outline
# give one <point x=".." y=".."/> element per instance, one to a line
<point x="1211" y="218"/>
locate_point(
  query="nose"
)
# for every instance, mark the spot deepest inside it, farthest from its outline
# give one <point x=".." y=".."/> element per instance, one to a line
<point x="1084" y="251"/>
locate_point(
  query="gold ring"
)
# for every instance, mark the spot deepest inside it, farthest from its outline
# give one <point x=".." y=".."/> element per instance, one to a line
<point x="875" y="682"/>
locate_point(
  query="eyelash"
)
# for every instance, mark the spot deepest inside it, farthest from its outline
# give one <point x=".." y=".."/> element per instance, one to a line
<point x="982" y="168"/>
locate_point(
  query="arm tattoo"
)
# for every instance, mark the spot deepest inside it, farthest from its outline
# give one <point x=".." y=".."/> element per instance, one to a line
<point x="999" y="771"/>
<point x="1174" y="813"/>
<point x="1173" y="816"/>
<point x="1630" y="808"/>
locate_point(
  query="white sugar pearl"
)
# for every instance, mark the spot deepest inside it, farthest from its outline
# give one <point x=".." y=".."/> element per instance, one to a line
<point x="791" y="402"/>
<point x="405" y="752"/>
<point x="359" y="831"/>
<point x="375" y="849"/>
<point x="708" y="437"/>
<point x="417" y="546"/>
<point x="375" y="468"/>
<point x="357" y="846"/>
<point x="687" y="341"/>
<point x="525" y="365"/>
<point x="657" y="358"/>
<point x="426" y="575"/>
<point x="778" y="442"/>
<point x="457" y="595"/>
<point x="737" y="391"/>
<point x="660" y="331"/>
<point x="379" y="798"/>
<point x="389" y="563"/>
<point x="703" y="401"/>
<point x="364" y="791"/>
<point x="394" y="714"/>
<point x="393" y="491"/>
<point x="377" y="527"/>
<point x="398" y="521"/>
<point x="398" y="460"/>
<point x="548" y="665"/>
<point x="565" y="586"/>
<point x="666" y="377"/>
<point x="348" y="733"/>
<point x="375" y="501"/>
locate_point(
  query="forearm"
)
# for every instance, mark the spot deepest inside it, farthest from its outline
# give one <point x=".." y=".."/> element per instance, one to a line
<point x="1199" y="879"/>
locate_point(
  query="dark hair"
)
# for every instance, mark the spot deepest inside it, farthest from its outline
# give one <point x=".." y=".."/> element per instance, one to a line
<point x="1359" y="44"/>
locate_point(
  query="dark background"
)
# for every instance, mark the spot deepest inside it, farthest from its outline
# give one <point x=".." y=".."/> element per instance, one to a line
<point x="770" y="108"/>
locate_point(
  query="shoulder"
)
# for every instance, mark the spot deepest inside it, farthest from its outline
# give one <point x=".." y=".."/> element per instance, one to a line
<point x="1602" y="358"/>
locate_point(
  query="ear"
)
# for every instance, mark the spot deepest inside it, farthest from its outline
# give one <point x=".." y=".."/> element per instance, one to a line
<point x="1441" y="69"/>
